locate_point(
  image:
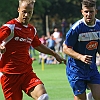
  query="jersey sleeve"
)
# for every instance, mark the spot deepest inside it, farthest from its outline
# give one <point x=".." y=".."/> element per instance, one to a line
<point x="71" y="37"/>
<point x="36" y="42"/>
<point x="4" y="32"/>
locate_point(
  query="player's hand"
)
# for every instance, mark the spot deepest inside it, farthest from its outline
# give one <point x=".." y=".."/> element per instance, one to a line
<point x="86" y="59"/>
<point x="2" y="49"/>
<point x="60" y="59"/>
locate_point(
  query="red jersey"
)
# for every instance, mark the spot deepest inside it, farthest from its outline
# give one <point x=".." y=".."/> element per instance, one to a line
<point x="16" y="59"/>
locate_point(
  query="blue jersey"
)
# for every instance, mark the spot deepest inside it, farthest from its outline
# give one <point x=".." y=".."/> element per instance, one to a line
<point x="84" y="40"/>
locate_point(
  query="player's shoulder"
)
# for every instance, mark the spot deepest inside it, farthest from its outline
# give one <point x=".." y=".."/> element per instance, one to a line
<point x="98" y="21"/>
<point x="77" y="23"/>
<point x="32" y="27"/>
<point x="10" y="24"/>
<point x="12" y="21"/>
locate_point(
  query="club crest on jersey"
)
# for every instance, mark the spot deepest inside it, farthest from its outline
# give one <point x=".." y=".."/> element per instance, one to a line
<point x="92" y="45"/>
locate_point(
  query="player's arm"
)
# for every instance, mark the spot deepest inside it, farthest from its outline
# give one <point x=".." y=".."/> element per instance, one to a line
<point x="42" y="48"/>
<point x="4" y="33"/>
<point x="5" y="36"/>
<point x="69" y="51"/>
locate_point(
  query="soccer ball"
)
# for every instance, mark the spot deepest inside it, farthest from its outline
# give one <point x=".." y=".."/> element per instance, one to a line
<point x="89" y="96"/>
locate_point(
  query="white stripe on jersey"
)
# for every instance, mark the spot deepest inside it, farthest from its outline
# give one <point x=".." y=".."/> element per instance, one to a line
<point x="89" y="36"/>
<point x="11" y="26"/>
<point x="6" y="40"/>
<point x="1" y="74"/>
<point x="82" y="21"/>
<point x="35" y="31"/>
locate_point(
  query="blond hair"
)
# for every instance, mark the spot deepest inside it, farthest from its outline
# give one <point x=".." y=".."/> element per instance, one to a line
<point x="27" y="1"/>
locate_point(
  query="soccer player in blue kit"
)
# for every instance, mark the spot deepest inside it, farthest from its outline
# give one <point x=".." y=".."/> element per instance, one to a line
<point x="81" y="44"/>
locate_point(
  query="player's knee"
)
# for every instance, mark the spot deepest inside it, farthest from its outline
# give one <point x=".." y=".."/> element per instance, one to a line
<point x="44" y="97"/>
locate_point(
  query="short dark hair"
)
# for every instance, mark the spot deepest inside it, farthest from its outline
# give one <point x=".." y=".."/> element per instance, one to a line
<point x="89" y="3"/>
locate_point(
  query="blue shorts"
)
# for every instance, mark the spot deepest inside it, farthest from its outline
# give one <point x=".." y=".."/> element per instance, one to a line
<point x="79" y="78"/>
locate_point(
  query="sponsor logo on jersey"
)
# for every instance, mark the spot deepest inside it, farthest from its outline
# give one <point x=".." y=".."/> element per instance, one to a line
<point x="88" y="36"/>
<point x="28" y="40"/>
<point x="92" y="45"/>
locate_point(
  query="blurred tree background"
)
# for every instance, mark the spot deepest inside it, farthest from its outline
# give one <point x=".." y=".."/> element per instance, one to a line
<point x="53" y="10"/>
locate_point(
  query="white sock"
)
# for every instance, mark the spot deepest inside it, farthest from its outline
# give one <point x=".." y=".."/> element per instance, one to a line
<point x="89" y="96"/>
<point x="43" y="97"/>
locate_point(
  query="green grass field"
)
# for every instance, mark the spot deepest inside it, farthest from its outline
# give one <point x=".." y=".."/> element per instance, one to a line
<point x="54" y="79"/>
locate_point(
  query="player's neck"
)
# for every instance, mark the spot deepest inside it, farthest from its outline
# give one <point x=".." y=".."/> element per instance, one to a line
<point x="24" y="24"/>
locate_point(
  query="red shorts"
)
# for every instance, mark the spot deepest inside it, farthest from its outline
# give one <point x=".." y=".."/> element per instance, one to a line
<point x="13" y="84"/>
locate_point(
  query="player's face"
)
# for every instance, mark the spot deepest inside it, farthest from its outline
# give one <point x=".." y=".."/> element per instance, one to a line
<point x="25" y="13"/>
<point x="89" y="15"/>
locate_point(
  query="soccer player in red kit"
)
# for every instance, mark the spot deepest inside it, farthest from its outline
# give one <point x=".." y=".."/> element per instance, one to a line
<point x="16" y="36"/>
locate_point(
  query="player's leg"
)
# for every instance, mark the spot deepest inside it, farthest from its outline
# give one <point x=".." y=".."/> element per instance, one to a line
<point x="95" y="89"/>
<point x="34" y="87"/>
<point x="79" y="89"/>
<point x="39" y="93"/>
<point x="77" y="84"/>
<point x="89" y="95"/>
<point x="80" y="96"/>
<point x="94" y="84"/>
<point x="11" y="87"/>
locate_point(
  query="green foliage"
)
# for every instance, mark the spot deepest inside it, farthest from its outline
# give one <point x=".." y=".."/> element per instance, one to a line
<point x="41" y="6"/>
<point x="68" y="9"/>
<point x="8" y="10"/>
<point x="64" y="8"/>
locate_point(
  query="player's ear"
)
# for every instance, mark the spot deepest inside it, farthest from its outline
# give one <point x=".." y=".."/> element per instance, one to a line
<point x="96" y="11"/>
<point x="18" y="9"/>
<point x="82" y="12"/>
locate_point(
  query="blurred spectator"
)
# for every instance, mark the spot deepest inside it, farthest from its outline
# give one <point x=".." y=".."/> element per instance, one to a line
<point x="51" y="42"/>
<point x="56" y="33"/>
<point x="63" y="27"/>
<point x="58" y="39"/>
<point x="32" y="53"/>
<point x="43" y="39"/>
<point x="42" y="56"/>
<point x="51" y="60"/>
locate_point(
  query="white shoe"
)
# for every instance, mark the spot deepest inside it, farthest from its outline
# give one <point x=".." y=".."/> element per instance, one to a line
<point x="89" y="96"/>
